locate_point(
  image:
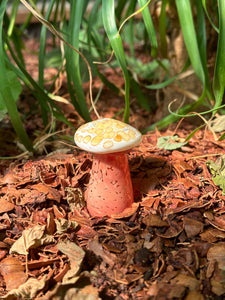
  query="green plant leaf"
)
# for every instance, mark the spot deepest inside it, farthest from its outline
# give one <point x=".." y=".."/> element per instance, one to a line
<point x="147" y="71"/>
<point x="219" y="74"/>
<point x="188" y="29"/>
<point x="217" y="169"/>
<point x="170" y="142"/>
<point x="108" y="16"/>
<point x="72" y="58"/>
<point x="7" y="87"/>
<point x="17" y="89"/>
<point x="149" y="27"/>
<point x="208" y="16"/>
<point x="163" y="29"/>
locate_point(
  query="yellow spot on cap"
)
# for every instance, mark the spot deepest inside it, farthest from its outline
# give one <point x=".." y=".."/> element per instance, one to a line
<point x="91" y="130"/>
<point x="79" y="138"/>
<point x="118" y="138"/>
<point x="99" y="131"/>
<point x="96" y="140"/>
<point x="109" y="129"/>
<point x="87" y="139"/>
<point x="124" y="135"/>
<point x="107" y="144"/>
<point x="131" y="133"/>
<point x="108" y="135"/>
<point x="119" y="125"/>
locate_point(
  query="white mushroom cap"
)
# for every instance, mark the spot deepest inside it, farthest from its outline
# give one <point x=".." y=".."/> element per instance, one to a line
<point x="107" y="136"/>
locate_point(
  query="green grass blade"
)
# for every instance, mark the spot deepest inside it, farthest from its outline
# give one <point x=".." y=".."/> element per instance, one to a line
<point x="150" y="28"/>
<point x="41" y="55"/>
<point x="202" y="45"/>
<point x="187" y="26"/>
<point x="91" y="25"/>
<point x="41" y="65"/>
<point x="13" y="17"/>
<point x="139" y="95"/>
<point x="193" y="132"/>
<point x="208" y="16"/>
<point x="130" y="32"/>
<point x="119" y="9"/>
<point x="15" y="37"/>
<point x="162" y="29"/>
<point x="108" y="15"/>
<point x="72" y="58"/>
<point x="6" y="89"/>
<point x="107" y="83"/>
<point x="219" y="73"/>
<point x="166" y="82"/>
<point x="44" y="100"/>
<point x="173" y="117"/>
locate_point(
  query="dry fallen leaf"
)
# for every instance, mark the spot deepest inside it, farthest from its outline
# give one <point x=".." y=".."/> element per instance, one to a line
<point x="85" y="291"/>
<point x="217" y="253"/>
<point x="27" y="290"/>
<point x="50" y="192"/>
<point x="98" y="250"/>
<point x="129" y="211"/>
<point x="62" y="225"/>
<point x="76" y="256"/>
<point x="13" y="272"/>
<point x="5" y="205"/>
<point x="31" y="238"/>
<point x="192" y="227"/>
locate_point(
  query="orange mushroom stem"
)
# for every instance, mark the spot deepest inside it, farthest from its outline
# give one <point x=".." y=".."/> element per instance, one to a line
<point x="110" y="188"/>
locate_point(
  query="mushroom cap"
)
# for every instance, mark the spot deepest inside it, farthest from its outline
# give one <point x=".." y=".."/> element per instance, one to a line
<point x="107" y="136"/>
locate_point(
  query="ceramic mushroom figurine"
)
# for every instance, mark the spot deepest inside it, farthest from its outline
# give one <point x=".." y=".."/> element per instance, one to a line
<point x="110" y="188"/>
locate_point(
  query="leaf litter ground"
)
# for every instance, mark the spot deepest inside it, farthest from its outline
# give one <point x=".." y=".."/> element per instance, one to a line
<point x="170" y="245"/>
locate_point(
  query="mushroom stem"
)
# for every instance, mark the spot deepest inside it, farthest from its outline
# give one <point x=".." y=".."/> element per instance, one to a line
<point x="110" y="188"/>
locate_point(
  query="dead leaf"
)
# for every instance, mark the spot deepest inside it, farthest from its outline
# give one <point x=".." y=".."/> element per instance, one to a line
<point x="127" y="212"/>
<point x="62" y="225"/>
<point x="196" y="295"/>
<point x="28" y="290"/>
<point x="192" y="227"/>
<point x="217" y="253"/>
<point x="188" y="281"/>
<point x="25" y="196"/>
<point x="217" y="222"/>
<point x="50" y="192"/>
<point x="218" y="123"/>
<point x="59" y="212"/>
<point x="154" y="220"/>
<point x="75" y="198"/>
<point x="172" y="231"/>
<point x="217" y="286"/>
<point x="31" y="238"/>
<point x="79" y="291"/>
<point x="126" y="279"/>
<point x="98" y="250"/>
<point x="13" y="272"/>
<point x="86" y="232"/>
<point x="5" y="205"/>
<point x="76" y="256"/>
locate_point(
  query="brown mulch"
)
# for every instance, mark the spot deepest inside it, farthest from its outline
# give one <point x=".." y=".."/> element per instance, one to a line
<point x="171" y="246"/>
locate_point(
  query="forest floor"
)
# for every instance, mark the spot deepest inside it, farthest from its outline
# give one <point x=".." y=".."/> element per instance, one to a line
<point x="170" y="245"/>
